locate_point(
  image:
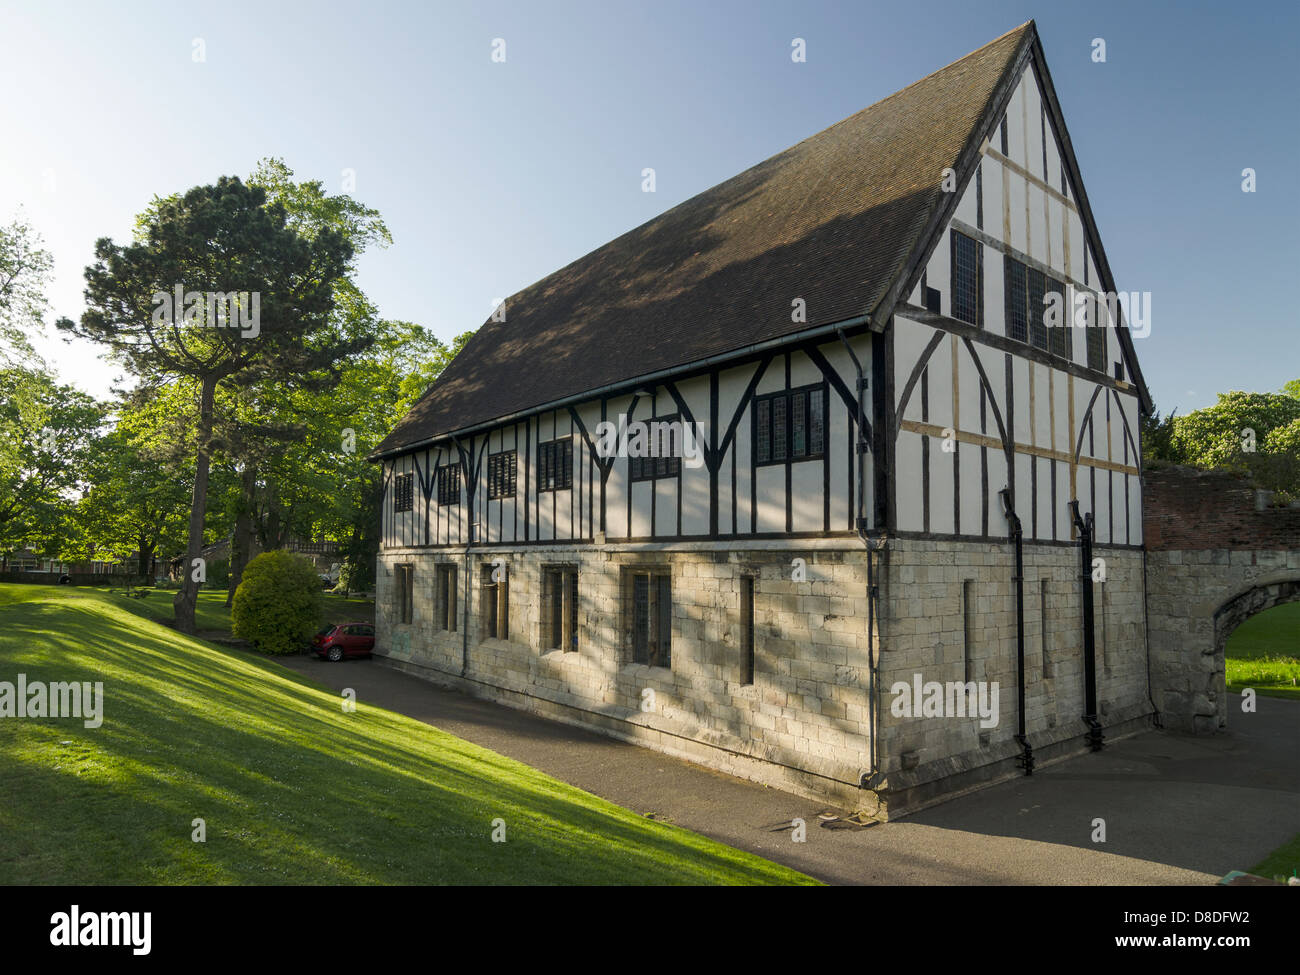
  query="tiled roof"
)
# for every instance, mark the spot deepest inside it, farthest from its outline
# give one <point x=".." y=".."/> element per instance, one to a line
<point x="831" y="220"/>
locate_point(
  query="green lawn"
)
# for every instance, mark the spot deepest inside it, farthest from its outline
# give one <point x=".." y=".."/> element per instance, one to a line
<point x="1264" y="653"/>
<point x="1282" y="862"/>
<point x="292" y="788"/>
<point x="211" y="613"/>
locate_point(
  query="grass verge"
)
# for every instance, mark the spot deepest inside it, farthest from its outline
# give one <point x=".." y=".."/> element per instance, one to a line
<point x="1264" y="653"/>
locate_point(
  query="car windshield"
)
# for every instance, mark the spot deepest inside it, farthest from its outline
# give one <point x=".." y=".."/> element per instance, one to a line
<point x="327" y="628"/>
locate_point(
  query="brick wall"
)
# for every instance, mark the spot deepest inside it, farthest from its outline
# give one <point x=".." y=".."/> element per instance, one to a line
<point x="1186" y="508"/>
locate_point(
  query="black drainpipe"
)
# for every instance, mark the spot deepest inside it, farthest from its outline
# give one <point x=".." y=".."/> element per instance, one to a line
<point x="867" y="779"/>
<point x="469" y="506"/>
<point x="1026" y="759"/>
<point x="1083" y="523"/>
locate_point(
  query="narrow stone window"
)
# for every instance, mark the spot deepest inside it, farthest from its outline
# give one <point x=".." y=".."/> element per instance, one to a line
<point x="405" y="592"/>
<point x="747" y="628"/>
<point x="652" y="617"/>
<point x="560" y="608"/>
<point x="1048" y="669"/>
<point x="495" y="609"/>
<point x="968" y="627"/>
<point x="445" y="597"/>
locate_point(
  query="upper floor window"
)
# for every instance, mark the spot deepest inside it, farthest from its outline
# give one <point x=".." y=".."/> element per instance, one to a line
<point x="790" y="425"/>
<point x="1096" y="332"/>
<point x="664" y="443"/>
<point x="555" y="465"/>
<point x="403" y="492"/>
<point x="967" y="280"/>
<point x="1026" y="290"/>
<point x="502" y="468"/>
<point x="449" y="484"/>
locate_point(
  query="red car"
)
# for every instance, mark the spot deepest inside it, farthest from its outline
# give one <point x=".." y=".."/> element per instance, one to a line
<point x="341" y="640"/>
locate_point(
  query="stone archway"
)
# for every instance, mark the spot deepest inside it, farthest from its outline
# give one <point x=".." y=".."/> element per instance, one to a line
<point x="1218" y="552"/>
<point x="1242" y="607"/>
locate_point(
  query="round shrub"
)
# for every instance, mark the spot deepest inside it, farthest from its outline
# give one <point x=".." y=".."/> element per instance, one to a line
<point x="277" y="606"/>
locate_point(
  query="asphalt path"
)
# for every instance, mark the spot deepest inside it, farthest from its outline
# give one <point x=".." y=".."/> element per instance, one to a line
<point x="1177" y="809"/>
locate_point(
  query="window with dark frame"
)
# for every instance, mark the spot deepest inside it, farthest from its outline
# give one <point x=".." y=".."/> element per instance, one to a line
<point x="1036" y="290"/>
<point x="1017" y="302"/>
<point x="555" y="465"/>
<point x="1025" y="291"/>
<point x="404" y="492"/>
<point x="1097" y="324"/>
<point x="494" y="608"/>
<point x="405" y="579"/>
<point x="1061" y="335"/>
<point x="560" y="608"/>
<point x="502" y="470"/>
<point x="652" y="617"/>
<point x="664" y="440"/>
<point x="448" y="477"/>
<point x="790" y="425"/>
<point x="445" y="597"/>
<point x="967" y="280"/>
<point x="747" y="629"/>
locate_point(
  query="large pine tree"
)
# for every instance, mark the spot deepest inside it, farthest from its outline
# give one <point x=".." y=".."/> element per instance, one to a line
<point x="217" y="241"/>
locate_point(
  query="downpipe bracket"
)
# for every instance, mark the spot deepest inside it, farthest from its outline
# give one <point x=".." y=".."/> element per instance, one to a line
<point x="1026" y="758"/>
<point x="1095" y="736"/>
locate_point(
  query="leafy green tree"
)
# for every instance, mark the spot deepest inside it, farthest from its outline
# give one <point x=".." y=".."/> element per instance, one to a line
<point x="1158" y="439"/>
<point x="1251" y="433"/>
<point x="46" y="432"/>
<point x="24" y="273"/>
<point x="137" y="498"/>
<point x="218" y="240"/>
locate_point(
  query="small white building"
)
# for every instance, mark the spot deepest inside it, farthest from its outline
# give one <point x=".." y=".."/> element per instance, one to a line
<point x="856" y="331"/>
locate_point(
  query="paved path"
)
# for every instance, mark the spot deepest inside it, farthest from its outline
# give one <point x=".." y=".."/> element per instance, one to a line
<point x="1178" y="809"/>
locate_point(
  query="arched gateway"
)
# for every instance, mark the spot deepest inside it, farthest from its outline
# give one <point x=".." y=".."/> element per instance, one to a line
<point x="1218" y="552"/>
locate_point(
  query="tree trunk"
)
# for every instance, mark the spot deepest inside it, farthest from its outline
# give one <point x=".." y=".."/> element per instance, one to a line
<point x="146" y="556"/>
<point x="241" y="542"/>
<point x="187" y="598"/>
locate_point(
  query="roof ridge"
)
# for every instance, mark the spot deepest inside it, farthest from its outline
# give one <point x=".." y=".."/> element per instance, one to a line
<point x="894" y="94"/>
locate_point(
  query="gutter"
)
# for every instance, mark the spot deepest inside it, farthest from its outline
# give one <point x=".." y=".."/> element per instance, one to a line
<point x="867" y="778"/>
<point x="1026" y="760"/>
<point x="625" y="384"/>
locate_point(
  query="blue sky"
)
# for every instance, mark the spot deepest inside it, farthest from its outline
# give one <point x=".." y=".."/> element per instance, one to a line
<point x="491" y="175"/>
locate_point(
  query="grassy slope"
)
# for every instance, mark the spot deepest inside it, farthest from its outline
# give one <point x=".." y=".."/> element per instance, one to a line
<point x="293" y="789"/>
<point x="1264" y="653"/>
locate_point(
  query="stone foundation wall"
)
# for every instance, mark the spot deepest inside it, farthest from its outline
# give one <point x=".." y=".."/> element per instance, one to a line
<point x="949" y="615"/>
<point x="803" y="719"/>
<point x="804" y="722"/>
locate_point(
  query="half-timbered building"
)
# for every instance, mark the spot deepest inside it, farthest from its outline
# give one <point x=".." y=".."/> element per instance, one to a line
<point x="913" y="469"/>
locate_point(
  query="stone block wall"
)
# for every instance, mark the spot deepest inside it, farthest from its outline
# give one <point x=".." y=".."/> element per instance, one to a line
<point x="949" y="615"/>
<point x="804" y="722"/>
<point x="1218" y="551"/>
<point x="801" y="724"/>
